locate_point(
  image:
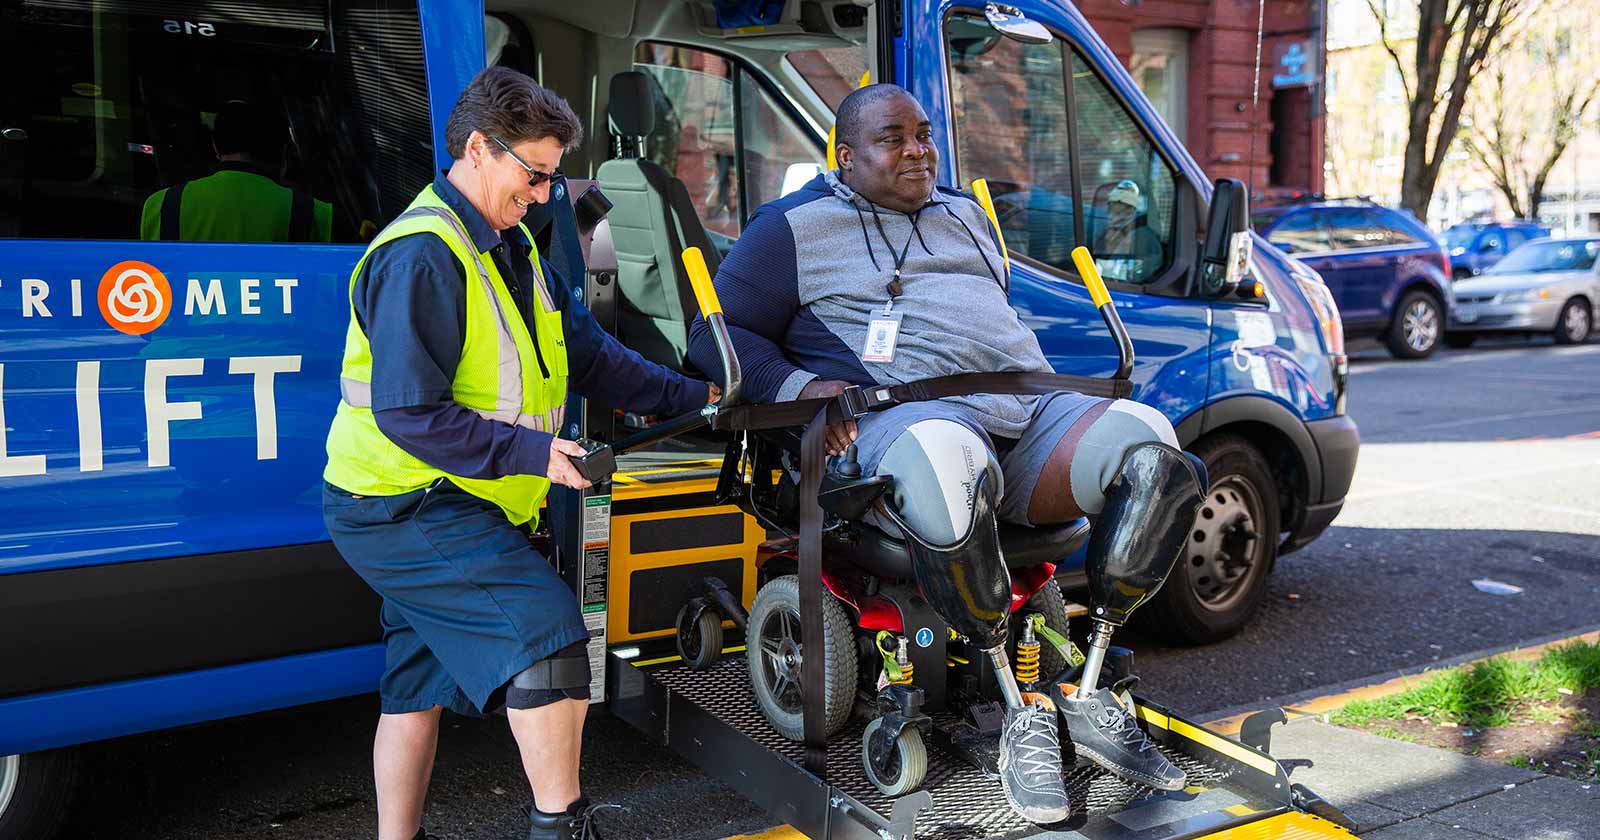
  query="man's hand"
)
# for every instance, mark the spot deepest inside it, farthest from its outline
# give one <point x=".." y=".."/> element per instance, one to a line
<point x="561" y="471"/>
<point x="713" y="393"/>
<point x="839" y="435"/>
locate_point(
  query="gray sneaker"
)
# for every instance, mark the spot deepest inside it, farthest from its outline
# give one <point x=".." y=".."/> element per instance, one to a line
<point x="1030" y="765"/>
<point x="1105" y="732"/>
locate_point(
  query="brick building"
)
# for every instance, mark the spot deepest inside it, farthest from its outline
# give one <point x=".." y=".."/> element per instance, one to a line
<point x="1194" y="60"/>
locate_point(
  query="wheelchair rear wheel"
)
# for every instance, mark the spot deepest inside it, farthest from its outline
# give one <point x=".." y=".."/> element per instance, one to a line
<point x="775" y="652"/>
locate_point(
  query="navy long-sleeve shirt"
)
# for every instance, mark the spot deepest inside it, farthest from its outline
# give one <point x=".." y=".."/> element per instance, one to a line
<point x="410" y="300"/>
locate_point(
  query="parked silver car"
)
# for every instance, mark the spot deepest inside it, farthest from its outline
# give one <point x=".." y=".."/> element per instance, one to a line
<point x="1546" y="286"/>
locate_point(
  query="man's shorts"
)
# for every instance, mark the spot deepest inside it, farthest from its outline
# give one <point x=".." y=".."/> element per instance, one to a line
<point x="1021" y="460"/>
<point x="467" y="602"/>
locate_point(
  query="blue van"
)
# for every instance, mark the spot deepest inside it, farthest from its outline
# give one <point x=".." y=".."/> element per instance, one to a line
<point x="163" y="403"/>
<point x="1389" y="275"/>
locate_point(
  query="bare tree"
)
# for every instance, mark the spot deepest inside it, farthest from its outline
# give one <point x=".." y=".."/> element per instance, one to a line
<point x="1518" y="138"/>
<point x="1454" y="40"/>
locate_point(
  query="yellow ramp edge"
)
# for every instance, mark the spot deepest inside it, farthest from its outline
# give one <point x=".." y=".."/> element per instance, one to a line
<point x="1290" y="826"/>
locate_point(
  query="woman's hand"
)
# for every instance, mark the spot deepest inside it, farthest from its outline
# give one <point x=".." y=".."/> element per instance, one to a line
<point x="561" y="471"/>
<point x="839" y="435"/>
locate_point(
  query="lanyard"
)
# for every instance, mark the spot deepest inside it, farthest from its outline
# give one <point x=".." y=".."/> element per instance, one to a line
<point x="894" y="288"/>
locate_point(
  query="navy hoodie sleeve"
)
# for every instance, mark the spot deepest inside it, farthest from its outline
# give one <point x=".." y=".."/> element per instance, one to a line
<point x="602" y="369"/>
<point x="759" y="287"/>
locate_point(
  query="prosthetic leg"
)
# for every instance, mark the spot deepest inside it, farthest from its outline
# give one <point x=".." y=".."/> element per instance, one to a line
<point x="1149" y="509"/>
<point x="968" y="585"/>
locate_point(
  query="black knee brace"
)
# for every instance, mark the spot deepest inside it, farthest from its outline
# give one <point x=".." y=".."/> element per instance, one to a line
<point x="563" y="676"/>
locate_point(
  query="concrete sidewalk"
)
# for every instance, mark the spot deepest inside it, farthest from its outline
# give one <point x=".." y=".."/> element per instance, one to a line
<point x="1396" y="790"/>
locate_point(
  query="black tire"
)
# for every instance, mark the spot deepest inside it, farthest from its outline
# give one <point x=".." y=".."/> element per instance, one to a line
<point x="699" y="643"/>
<point x="40" y="786"/>
<point x="1048" y="602"/>
<point x="1575" y="322"/>
<point x="1459" y="340"/>
<point x="908" y="767"/>
<point x="775" y="668"/>
<point x="1418" y="323"/>
<point x="1221" y="578"/>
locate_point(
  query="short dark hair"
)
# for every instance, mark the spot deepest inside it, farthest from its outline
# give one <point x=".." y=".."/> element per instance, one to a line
<point x="847" y="124"/>
<point x="503" y="103"/>
<point x="243" y="127"/>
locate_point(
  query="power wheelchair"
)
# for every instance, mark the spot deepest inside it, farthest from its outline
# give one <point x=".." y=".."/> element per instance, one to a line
<point x="910" y="628"/>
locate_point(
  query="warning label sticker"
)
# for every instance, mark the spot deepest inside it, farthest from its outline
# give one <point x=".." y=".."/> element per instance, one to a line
<point x="596" y="521"/>
<point x="596" y="622"/>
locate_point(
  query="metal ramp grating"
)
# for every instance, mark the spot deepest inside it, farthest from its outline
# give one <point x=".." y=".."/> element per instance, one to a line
<point x="967" y="803"/>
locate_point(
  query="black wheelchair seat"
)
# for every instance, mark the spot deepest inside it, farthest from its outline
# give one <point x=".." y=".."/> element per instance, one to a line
<point x="884" y="556"/>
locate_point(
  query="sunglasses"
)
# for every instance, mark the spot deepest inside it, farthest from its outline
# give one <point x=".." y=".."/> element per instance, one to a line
<point x="535" y="177"/>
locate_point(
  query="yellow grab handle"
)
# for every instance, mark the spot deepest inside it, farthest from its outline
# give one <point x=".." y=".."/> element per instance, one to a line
<point x="1091" y="276"/>
<point x="705" y="294"/>
<point x="980" y="188"/>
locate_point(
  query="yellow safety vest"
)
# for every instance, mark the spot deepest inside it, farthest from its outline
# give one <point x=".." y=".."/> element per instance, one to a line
<point x="498" y="376"/>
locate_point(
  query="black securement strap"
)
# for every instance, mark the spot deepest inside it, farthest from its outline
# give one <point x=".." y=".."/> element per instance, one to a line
<point x="300" y="212"/>
<point x="680" y="216"/>
<point x="813" y="662"/>
<point x="171" y="209"/>
<point x="877" y="397"/>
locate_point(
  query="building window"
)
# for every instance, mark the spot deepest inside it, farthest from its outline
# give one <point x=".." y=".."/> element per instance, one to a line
<point x="1161" y="67"/>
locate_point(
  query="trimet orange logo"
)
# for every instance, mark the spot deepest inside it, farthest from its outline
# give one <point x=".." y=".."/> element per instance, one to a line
<point x="134" y="297"/>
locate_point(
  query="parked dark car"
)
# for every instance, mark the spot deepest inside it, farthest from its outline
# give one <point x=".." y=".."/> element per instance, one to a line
<point x="1389" y="275"/>
<point x="1476" y="246"/>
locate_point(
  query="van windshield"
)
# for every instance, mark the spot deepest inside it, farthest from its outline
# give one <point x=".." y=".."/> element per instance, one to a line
<point x="1539" y="257"/>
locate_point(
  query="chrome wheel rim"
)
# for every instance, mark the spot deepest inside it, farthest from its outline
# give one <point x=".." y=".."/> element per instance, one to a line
<point x="780" y="658"/>
<point x="1420" y="326"/>
<point x="1221" y="552"/>
<point x="10" y="771"/>
<point x="1576" y="322"/>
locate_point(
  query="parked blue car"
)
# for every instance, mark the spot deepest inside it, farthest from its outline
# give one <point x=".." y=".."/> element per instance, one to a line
<point x="1476" y="246"/>
<point x="1389" y="275"/>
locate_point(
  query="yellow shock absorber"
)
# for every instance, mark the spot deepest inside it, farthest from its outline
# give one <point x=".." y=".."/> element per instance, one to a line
<point x="897" y="668"/>
<point x="1027" y="664"/>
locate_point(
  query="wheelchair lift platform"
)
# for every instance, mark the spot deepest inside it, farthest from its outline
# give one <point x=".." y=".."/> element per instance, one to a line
<point x="711" y="718"/>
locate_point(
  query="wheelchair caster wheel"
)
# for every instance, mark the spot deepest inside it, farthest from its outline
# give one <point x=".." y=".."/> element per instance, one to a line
<point x="903" y="769"/>
<point x="699" y="636"/>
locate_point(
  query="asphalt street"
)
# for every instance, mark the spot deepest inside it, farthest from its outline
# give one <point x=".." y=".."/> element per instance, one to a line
<point x="1476" y="465"/>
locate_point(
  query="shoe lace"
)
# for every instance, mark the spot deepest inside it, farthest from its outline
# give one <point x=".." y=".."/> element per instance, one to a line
<point x="583" y="823"/>
<point x="1036" y="748"/>
<point x="1115" y="718"/>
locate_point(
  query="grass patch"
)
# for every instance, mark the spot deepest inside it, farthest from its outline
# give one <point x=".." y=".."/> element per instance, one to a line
<point x="1494" y="692"/>
<point x="1393" y="734"/>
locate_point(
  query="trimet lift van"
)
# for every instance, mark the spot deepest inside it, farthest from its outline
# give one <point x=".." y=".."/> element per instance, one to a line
<point x="163" y="403"/>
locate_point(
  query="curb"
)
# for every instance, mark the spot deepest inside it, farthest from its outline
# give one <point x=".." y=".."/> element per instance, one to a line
<point x="1320" y="701"/>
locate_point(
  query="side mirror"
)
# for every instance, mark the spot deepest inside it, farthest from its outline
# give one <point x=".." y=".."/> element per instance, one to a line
<point x="1225" y="258"/>
<point x="1012" y="23"/>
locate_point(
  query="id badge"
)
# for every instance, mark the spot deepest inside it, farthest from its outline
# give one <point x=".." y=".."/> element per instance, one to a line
<point x="882" y="333"/>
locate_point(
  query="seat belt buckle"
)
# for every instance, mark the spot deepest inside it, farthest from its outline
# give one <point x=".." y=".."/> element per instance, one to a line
<point x="857" y="401"/>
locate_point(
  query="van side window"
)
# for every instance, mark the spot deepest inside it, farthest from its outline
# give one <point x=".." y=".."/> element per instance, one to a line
<point x="721" y="133"/>
<point x="1299" y="233"/>
<point x="1013" y="116"/>
<point x="159" y="122"/>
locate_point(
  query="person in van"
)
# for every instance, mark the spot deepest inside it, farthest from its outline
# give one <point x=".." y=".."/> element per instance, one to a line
<point x="242" y="201"/>
<point x="872" y="274"/>
<point x="1127" y="250"/>
<point x="457" y="362"/>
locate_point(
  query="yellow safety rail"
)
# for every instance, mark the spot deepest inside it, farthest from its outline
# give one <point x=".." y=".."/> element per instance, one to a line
<point x="980" y="188"/>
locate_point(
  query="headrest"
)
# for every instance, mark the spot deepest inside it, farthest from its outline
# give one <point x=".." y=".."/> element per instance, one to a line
<point x="633" y="103"/>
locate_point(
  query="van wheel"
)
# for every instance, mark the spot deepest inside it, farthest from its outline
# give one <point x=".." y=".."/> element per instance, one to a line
<point x="1221" y="578"/>
<point x="1575" y="323"/>
<point x="775" y="651"/>
<point x="1418" y="323"/>
<point x="35" y="790"/>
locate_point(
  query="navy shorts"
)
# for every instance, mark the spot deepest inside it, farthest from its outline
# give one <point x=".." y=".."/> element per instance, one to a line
<point x="467" y="602"/>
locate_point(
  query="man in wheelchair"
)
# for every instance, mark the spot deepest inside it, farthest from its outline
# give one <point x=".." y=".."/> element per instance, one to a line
<point x="873" y="275"/>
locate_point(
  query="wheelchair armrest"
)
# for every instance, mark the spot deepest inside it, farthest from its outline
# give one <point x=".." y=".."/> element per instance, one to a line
<point x="850" y="498"/>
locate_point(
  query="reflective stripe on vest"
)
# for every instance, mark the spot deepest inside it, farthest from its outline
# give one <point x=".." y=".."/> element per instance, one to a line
<point x="508" y="398"/>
